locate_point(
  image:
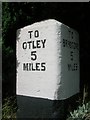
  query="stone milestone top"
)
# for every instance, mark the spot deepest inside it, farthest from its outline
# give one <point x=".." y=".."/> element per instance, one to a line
<point x="49" y="22"/>
<point x="43" y="23"/>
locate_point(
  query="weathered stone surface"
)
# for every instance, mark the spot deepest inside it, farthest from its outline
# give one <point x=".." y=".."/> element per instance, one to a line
<point x="52" y="70"/>
<point x="47" y="68"/>
<point x="48" y="60"/>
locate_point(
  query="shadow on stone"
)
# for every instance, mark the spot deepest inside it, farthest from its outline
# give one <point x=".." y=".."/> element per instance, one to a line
<point x="39" y="108"/>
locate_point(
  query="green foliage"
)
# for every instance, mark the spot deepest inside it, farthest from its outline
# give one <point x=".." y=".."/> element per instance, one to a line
<point x="8" y="74"/>
<point x="9" y="108"/>
<point x="8" y="56"/>
<point x="14" y="16"/>
<point x="81" y="112"/>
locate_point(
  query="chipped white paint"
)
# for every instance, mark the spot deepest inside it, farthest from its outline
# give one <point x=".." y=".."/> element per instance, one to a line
<point x="52" y="70"/>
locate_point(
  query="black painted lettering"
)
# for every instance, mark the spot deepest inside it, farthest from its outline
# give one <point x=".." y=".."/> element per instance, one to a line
<point x="66" y="42"/>
<point x="72" y="35"/>
<point x="38" y="66"/>
<point x="43" y="43"/>
<point x="33" y="45"/>
<point x="33" y="55"/>
<point x="69" y="44"/>
<point x="24" y="45"/>
<point x="38" y="44"/>
<point x="25" y="66"/>
<point x="36" y="33"/>
<point x="63" y="42"/>
<point x="30" y="33"/>
<point x="73" y="67"/>
<point x="29" y="44"/>
<point x="71" y="54"/>
<point x="29" y="66"/>
<point x="76" y="66"/>
<point x="43" y="67"/>
<point x="69" y="67"/>
<point x="33" y="67"/>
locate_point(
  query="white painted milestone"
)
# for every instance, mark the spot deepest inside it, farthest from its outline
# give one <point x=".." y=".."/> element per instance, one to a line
<point x="47" y="60"/>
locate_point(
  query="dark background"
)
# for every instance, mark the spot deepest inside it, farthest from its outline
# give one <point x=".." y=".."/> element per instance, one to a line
<point x="17" y="15"/>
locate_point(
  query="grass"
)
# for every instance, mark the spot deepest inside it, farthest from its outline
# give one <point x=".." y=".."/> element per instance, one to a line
<point x="82" y="113"/>
<point x="9" y="108"/>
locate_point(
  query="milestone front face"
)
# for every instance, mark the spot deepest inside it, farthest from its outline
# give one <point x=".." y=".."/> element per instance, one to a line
<point x="39" y="61"/>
